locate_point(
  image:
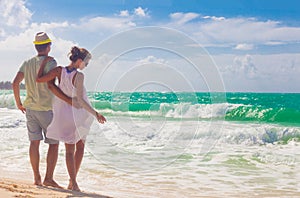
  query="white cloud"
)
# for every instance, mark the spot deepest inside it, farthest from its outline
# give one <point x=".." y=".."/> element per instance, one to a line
<point x="138" y="12"/>
<point x="237" y="30"/>
<point x="263" y="73"/>
<point x="50" y="26"/>
<point x="124" y="13"/>
<point x="151" y="59"/>
<point x="214" y="18"/>
<point x="182" y="18"/>
<point x="273" y="43"/>
<point x="105" y="23"/>
<point x="20" y="42"/>
<point x="241" y="73"/>
<point x="18" y="47"/>
<point x="223" y="32"/>
<point x="14" y="13"/>
<point x="244" y="46"/>
<point x="239" y="67"/>
<point x="141" y="12"/>
<point x="24" y="39"/>
<point x="2" y="33"/>
<point x="246" y="65"/>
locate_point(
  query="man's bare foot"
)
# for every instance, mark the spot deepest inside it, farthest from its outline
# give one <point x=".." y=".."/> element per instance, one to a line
<point x="51" y="183"/>
<point x="38" y="181"/>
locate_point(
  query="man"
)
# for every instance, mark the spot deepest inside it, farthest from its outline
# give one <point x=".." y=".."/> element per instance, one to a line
<point x="38" y="107"/>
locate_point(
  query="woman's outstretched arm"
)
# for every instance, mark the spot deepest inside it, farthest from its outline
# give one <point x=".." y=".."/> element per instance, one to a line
<point x="78" y="83"/>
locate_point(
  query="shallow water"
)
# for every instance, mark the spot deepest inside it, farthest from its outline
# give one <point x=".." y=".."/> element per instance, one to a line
<point x="175" y="145"/>
<point x="181" y="159"/>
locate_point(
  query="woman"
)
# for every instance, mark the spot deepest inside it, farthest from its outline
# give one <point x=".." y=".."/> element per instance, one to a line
<point x="71" y="125"/>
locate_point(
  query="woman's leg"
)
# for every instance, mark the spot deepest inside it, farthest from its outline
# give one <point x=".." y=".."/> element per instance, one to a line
<point x="79" y="154"/>
<point x="78" y="158"/>
<point x="70" y="148"/>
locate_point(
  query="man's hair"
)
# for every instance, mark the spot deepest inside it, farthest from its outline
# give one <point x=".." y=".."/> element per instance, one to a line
<point x="41" y="48"/>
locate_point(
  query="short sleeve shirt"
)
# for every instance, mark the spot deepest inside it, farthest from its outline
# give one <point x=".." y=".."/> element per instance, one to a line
<point x="38" y="96"/>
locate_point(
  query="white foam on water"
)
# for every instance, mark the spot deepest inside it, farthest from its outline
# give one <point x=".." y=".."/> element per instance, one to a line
<point x="138" y="157"/>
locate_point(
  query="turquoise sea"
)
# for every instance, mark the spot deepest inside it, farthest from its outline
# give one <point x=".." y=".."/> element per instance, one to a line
<point x="277" y="108"/>
<point x="177" y="144"/>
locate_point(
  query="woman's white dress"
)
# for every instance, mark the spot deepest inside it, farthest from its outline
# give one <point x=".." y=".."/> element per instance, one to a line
<point x="69" y="124"/>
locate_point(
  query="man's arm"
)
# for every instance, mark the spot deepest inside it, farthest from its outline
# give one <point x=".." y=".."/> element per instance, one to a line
<point x="16" y="88"/>
<point x="57" y="92"/>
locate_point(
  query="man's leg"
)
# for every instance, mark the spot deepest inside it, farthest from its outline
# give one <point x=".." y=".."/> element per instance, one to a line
<point x="34" y="155"/>
<point x="51" y="163"/>
<point x="35" y="136"/>
<point x="45" y="118"/>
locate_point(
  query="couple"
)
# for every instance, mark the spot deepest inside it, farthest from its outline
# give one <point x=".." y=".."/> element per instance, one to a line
<point x="70" y="119"/>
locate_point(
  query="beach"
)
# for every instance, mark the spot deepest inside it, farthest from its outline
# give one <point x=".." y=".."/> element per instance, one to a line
<point x="156" y="147"/>
<point x="23" y="188"/>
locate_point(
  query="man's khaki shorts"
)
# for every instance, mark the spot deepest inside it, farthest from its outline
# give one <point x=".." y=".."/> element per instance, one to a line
<point x="37" y="123"/>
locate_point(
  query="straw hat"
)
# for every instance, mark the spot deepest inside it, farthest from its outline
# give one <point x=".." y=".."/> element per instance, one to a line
<point x="41" y="38"/>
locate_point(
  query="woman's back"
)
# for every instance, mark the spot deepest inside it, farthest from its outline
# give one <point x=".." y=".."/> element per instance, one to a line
<point x="66" y="82"/>
<point x="69" y="124"/>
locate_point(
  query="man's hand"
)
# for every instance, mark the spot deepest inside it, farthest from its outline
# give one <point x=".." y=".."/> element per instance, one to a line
<point x="20" y="107"/>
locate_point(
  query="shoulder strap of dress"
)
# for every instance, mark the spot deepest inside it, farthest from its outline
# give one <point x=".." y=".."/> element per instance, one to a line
<point x="74" y="77"/>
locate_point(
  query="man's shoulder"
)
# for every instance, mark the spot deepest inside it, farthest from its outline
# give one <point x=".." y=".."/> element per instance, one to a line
<point x="34" y="59"/>
<point x="28" y="61"/>
<point x="39" y="58"/>
<point x="53" y="61"/>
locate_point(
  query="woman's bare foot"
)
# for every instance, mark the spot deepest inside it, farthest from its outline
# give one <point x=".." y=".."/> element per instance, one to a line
<point x="73" y="186"/>
<point x="70" y="186"/>
<point x="76" y="188"/>
<point x="38" y="181"/>
<point x="52" y="183"/>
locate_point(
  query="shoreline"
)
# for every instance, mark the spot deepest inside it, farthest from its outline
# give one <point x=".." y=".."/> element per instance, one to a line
<point x="22" y="188"/>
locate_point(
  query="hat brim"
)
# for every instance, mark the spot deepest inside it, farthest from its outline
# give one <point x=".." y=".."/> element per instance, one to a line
<point x="42" y="42"/>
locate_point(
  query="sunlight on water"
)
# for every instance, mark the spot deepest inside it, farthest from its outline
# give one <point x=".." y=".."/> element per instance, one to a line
<point x="171" y="152"/>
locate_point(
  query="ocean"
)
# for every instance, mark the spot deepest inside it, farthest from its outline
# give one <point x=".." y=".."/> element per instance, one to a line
<point x="176" y="144"/>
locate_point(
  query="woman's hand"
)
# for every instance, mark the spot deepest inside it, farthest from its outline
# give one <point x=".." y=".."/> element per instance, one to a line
<point x="47" y="59"/>
<point x="41" y="70"/>
<point x="101" y="119"/>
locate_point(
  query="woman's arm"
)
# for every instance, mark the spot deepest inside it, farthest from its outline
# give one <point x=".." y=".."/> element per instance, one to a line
<point x="50" y="79"/>
<point x="52" y="74"/>
<point x="41" y="70"/>
<point x="78" y="83"/>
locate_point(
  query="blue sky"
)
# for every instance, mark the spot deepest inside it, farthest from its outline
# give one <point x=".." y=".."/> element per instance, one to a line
<point x="254" y="44"/>
<point x="287" y="11"/>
